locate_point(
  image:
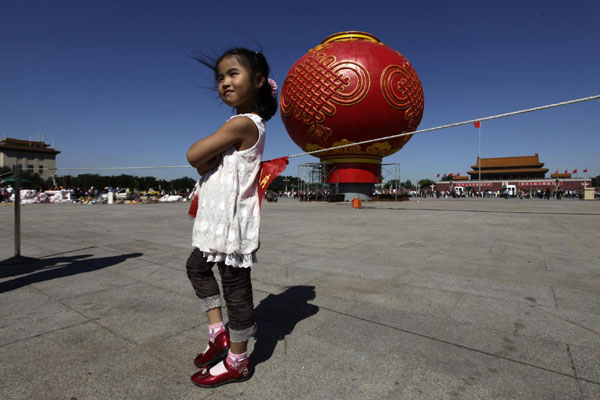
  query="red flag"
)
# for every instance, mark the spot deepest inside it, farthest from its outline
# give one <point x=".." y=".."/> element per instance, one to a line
<point x="444" y="175"/>
<point x="566" y="171"/>
<point x="585" y="170"/>
<point x="458" y="174"/>
<point x="556" y="172"/>
<point x="575" y="171"/>
<point x="450" y="174"/>
<point x="477" y="124"/>
<point x="268" y="172"/>
<point x="438" y="175"/>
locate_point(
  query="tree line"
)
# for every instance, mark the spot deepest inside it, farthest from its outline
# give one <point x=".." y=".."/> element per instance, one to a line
<point x="407" y="184"/>
<point x="280" y="183"/>
<point x="143" y="183"/>
<point x="85" y="181"/>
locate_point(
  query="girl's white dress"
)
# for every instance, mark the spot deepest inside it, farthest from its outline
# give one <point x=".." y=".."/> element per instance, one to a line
<point x="227" y="224"/>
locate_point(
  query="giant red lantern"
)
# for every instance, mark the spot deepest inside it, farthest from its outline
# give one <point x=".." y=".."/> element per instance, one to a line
<point x="348" y="89"/>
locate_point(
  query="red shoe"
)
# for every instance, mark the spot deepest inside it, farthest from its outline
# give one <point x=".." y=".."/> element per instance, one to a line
<point x="203" y="378"/>
<point x="216" y="351"/>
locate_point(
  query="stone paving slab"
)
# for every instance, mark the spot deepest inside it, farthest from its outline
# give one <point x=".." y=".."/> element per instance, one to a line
<point x="88" y="361"/>
<point x="27" y="313"/>
<point x="427" y="299"/>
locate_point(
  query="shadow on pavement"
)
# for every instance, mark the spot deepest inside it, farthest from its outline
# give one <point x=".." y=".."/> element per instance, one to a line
<point x="277" y="315"/>
<point x="57" y="267"/>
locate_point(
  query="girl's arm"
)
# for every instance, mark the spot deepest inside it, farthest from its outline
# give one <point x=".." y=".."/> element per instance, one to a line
<point x="210" y="164"/>
<point x="239" y="132"/>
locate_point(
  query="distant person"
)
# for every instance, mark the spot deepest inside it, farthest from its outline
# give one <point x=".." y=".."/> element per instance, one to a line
<point x="226" y="226"/>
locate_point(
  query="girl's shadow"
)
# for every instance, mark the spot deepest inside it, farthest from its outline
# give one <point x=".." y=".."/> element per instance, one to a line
<point x="277" y="315"/>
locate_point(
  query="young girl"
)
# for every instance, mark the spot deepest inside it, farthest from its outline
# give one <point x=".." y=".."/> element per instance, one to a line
<point x="227" y="222"/>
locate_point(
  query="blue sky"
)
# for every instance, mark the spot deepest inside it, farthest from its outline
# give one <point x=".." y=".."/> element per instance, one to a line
<point x="110" y="83"/>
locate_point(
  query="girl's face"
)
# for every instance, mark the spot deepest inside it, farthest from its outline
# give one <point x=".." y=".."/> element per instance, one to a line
<point x="237" y="87"/>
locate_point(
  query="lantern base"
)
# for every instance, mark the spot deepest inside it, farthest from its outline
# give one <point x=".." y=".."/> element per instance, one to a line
<point x="362" y="191"/>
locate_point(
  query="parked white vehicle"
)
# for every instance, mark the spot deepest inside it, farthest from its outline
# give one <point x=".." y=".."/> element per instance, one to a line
<point x="508" y="191"/>
<point x="170" y="198"/>
<point x="124" y="194"/>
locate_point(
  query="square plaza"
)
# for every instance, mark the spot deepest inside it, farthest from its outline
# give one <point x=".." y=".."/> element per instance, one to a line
<point x="431" y="299"/>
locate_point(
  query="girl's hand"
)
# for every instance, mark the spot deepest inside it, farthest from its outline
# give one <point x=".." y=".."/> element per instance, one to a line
<point x="210" y="164"/>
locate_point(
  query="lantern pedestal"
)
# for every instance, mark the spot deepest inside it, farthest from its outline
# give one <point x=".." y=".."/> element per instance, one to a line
<point x="353" y="179"/>
<point x="362" y="191"/>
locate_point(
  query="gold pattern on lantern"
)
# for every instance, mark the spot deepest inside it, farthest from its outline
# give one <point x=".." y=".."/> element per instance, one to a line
<point x="402" y="90"/>
<point x="320" y="47"/>
<point x="351" y="35"/>
<point x="312" y="90"/>
<point x="345" y="150"/>
<point x="379" y="149"/>
<point x="349" y="149"/>
<point x="319" y="131"/>
<point x="312" y="147"/>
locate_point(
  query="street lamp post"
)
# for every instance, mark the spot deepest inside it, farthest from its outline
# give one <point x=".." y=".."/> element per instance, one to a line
<point x="17" y="191"/>
<point x="479" y="156"/>
<point x="286" y="180"/>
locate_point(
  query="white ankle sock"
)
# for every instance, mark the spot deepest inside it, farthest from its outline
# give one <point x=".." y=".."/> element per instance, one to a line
<point x="214" y="330"/>
<point x="218" y="369"/>
<point x="234" y="360"/>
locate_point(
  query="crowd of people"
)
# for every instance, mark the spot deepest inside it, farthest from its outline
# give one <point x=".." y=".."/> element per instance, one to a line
<point x="91" y="195"/>
<point x="6" y="193"/>
<point x="521" y="194"/>
<point x="95" y="195"/>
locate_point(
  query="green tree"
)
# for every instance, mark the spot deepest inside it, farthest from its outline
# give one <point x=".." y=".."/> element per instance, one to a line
<point x="392" y="183"/>
<point x="408" y="184"/>
<point x="596" y="181"/>
<point x="426" y="183"/>
<point x="280" y="183"/>
<point x="29" y="180"/>
<point x="36" y="181"/>
<point x="85" y="181"/>
<point x="183" y="183"/>
<point x="123" y="181"/>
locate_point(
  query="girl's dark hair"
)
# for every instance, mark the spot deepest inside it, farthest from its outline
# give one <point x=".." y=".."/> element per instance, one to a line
<point x="255" y="61"/>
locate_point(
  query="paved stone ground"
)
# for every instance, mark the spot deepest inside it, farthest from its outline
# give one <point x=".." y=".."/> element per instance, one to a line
<point x="430" y="299"/>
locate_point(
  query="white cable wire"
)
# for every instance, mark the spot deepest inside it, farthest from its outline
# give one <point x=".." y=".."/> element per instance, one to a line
<point x="109" y="168"/>
<point x="564" y="103"/>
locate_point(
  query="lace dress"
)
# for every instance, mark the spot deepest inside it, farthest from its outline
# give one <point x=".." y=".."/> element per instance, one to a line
<point x="227" y="223"/>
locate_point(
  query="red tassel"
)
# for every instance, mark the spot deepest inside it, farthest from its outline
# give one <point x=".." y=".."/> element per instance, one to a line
<point x="194" y="207"/>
